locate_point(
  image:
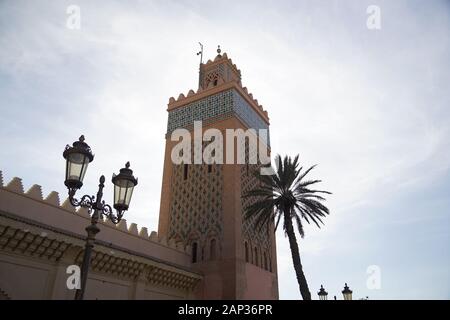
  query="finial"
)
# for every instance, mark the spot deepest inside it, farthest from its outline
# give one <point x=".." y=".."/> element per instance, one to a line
<point x="200" y="53"/>
<point x="218" y="49"/>
<point x="81" y="139"/>
<point x="127" y="165"/>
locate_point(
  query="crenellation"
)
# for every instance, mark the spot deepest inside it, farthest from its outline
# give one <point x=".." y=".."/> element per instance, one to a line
<point x="15" y="185"/>
<point x="143" y="233"/>
<point x="133" y="229"/>
<point x="35" y="192"/>
<point x="68" y="206"/>
<point x="122" y="225"/>
<point x="53" y="198"/>
<point x="109" y="223"/>
<point x="84" y="212"/>
<point x="154" y="236"/>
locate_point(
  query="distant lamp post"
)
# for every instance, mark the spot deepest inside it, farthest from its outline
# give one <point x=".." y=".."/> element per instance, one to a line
<point x="77" y="159"/>
<point x="323" y="295"/>
<point x="347" y="293"/>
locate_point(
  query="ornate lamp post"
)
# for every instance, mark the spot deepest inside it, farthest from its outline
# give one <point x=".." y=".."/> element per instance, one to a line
<point x="347" y="293"/>
<point x="323" y="295"/>
<point x="77" y="159"/>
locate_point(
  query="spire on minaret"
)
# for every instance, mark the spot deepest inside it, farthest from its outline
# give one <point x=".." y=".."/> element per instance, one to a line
<point x="200" y="53"/>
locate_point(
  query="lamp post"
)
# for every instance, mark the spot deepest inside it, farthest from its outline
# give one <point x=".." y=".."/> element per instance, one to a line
<point x="347" y="293"/>
<point x="323" y="295"/>
<point x="78" y="156"/>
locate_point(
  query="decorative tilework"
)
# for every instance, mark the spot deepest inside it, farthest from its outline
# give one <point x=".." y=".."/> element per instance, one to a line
<point x="209" y="107"/>
<point x="221" y="105"/>
<point x="248" y="115"/>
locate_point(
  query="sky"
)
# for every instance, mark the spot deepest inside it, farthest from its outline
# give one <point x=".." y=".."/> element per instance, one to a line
<point x="369" y="106"/>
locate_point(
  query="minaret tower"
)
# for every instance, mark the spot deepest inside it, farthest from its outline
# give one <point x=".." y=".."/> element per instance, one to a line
<point x="202" y="204"/>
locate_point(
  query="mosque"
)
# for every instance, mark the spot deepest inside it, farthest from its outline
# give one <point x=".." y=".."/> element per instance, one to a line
<point x="203" y="249"/>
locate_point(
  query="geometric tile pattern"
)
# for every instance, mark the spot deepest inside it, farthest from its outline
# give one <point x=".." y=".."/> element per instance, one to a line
<point x="196" y="205"/>
<point x="214" y="107"/>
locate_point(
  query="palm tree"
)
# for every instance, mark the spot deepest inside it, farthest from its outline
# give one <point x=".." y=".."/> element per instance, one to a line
<point x="287" y="194"/>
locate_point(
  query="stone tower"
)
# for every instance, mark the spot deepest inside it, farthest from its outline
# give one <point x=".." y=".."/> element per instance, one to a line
<point x="201" y="204"/>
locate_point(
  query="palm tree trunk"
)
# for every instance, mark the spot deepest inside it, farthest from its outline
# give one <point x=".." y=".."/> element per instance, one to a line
<point x="303" y="285"/>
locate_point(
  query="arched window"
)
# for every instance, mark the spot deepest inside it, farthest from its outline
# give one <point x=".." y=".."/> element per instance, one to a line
<point x="185" y="171"/>
<point x="246" y="252"/>
<point x="212" y="249"/>
<point x="265" y="261"/>
<point x="270" y="265"/>
<point x="194" y="252"/>
<point x="255" y="258"/>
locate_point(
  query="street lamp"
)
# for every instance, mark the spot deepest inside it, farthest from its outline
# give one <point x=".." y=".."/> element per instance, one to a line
<point x="77" y="159"/>
<point x="347" y="293"/>
<point x="323" y="295"/>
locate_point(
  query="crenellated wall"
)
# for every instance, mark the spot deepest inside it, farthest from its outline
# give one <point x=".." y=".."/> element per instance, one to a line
<point x="40" y="237"/>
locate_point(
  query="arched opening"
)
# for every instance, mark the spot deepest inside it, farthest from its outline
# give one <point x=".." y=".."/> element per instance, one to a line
<point x="246" y="252"/>
<point x="194" y="252"/>
<point x="185" y="171"/>
<point x="212" y="249"/>
<point x="255" y="258"/>
<point x="265" y="261"/>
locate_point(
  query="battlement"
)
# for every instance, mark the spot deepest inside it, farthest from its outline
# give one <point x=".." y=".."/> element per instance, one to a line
<point x="37" y="202"/>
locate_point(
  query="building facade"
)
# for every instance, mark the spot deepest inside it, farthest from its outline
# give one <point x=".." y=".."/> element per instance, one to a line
<point x="204" y="248"/>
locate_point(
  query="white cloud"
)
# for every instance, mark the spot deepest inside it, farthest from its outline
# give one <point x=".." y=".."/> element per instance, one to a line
<point x="370" y="108"/>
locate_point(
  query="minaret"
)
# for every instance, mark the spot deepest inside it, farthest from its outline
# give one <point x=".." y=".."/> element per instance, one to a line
<point x="202" y="205"/>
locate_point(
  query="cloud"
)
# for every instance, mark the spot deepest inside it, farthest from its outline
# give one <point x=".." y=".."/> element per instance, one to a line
<point x="370" y="107"/>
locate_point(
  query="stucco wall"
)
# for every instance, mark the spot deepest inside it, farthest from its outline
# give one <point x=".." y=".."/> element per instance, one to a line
<point x="39" y="238"/>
